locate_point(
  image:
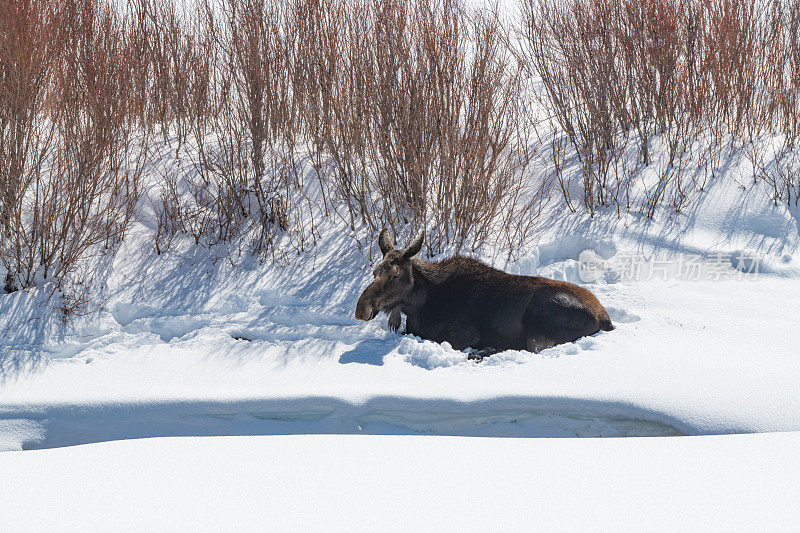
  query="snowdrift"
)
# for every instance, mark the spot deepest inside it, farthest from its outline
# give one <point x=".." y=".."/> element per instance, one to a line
<point x="362" y="482"/>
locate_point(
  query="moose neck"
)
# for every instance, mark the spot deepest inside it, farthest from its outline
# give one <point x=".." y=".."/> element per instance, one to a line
<point x="423" y="281"/>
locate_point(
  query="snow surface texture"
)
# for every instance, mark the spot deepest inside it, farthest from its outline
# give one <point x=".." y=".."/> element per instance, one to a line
<point x="208" y="342"/>
<point x="402" y="483"/>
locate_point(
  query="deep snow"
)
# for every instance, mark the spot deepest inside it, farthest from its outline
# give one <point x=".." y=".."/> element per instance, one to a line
<point x="401" y="483"/>
<point x="210" y="342"/>
<point x="291" y="414"/>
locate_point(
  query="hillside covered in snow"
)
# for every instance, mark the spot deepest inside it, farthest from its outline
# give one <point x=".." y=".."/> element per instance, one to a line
<point x="192" y="342"/>
<point x="198" y="274"/>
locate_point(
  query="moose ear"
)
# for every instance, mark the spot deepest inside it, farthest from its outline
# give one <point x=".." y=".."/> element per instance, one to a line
<point x="415" y="246"/>
<point x="385" y="241"/>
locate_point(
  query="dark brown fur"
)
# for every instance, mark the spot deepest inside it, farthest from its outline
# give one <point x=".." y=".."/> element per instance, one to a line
<point x="469" y="304"/>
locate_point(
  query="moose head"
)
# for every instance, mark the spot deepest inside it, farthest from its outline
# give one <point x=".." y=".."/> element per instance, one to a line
<point x="394" y="278"/>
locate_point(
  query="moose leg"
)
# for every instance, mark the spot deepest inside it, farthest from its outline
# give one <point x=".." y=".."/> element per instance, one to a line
<point x="537" y="343"/>
<point x="479" y="355"/>
<point x="546" y="325"/>
<point x="394" y="319"/>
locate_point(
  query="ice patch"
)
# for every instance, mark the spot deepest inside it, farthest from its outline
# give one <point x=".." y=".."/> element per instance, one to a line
<point x="512" y="416"/>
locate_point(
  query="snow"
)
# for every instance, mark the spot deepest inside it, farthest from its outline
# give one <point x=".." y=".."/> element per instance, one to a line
<point x="348" y="371"/>
<point x="346" y="482"/>
<point x="201" y="341"/>
<point x="207" y="388"/>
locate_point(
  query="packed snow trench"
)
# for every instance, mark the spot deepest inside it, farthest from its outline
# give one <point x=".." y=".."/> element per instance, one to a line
<point x="194" y="342"/>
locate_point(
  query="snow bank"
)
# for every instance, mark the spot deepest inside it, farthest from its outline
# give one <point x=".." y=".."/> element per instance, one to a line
<point x="206" y="342"/>
<point x="338" y="483"/>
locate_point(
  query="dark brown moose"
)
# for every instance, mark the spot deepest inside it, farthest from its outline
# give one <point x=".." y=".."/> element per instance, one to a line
<point x="471" y="305"/>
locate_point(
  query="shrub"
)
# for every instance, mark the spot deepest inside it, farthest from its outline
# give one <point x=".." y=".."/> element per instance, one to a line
<point x="666" y="71"/>
<point x="68" y="185"/>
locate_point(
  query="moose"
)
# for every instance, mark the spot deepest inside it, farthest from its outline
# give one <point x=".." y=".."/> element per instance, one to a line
<point x="472" y="305"/>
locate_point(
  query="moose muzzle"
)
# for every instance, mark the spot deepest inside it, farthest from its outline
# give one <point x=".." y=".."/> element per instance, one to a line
<point x="366" y="308"/>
